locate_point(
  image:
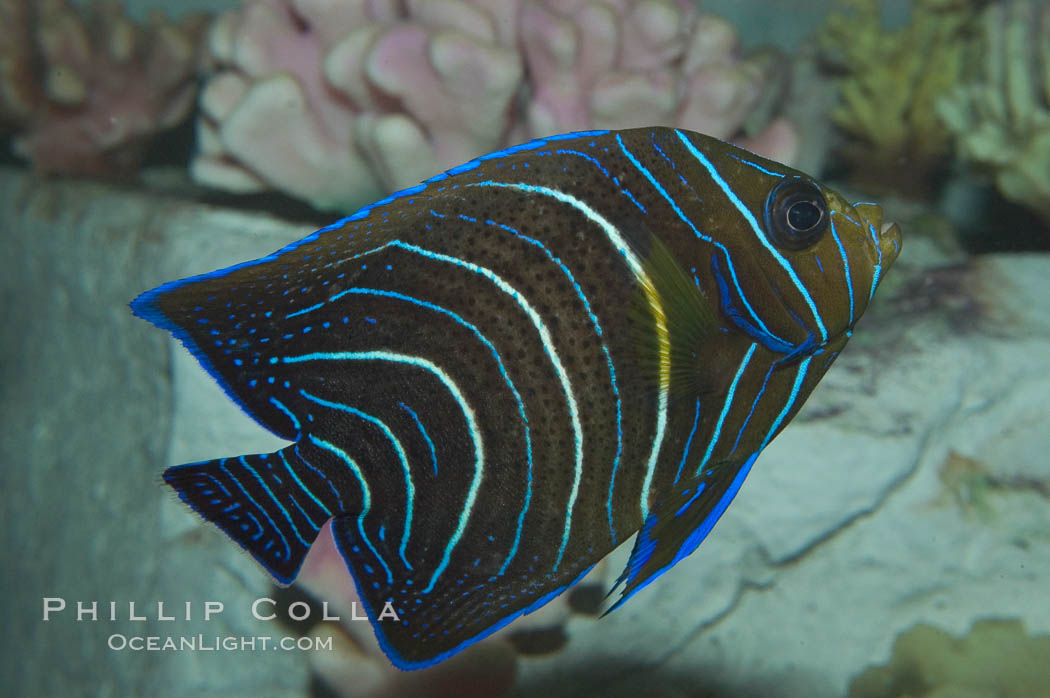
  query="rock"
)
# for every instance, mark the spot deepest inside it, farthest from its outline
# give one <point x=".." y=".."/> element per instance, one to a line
<point x="85" y="427"/>
<point x="847" y="533"/>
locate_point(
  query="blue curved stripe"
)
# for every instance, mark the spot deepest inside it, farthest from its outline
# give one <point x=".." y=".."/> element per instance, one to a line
<point x="423" y="431"/>
<point x="401" y="663"/>
<point x="697" y="536"/>
<point x="635" y="266"/>
<point x="288" y="550"/>
<point x="605" y="350"/>
<point x="605" y="171"/>
<point x="410" y="488"/>
<point x="284" y="510"/>
<point x="146" y="304"/>
<point x="754" y="404"/>
<point x="685" y="507"/>
<point x="289" y="316"/>
<point x="565" y="270"/>
<point x="366" y="498"/>
<point x="262" y="529"/>
<point x="468" y="413"/>
<point x="552" y="355"/>
<point x="688" y="442"/>
<point x="506" y="378"/>
<point x="673" y="165"/>
<point x="707" y="238"/>
<point x="845" y="264"/>
<point x="725" y="407"/>
<point x="763" y="170"/>
<point x="214" y="479"/>
<point x="749" y="217"/>
<point x="877" y="271"/>
<point x="303" y="512"/>
<point x="288" y="413"/>
<point x="725" y="301"/>
<point x="321" y="475"/>
<point x="303" y="487"/>
<point x="803" y="366"/>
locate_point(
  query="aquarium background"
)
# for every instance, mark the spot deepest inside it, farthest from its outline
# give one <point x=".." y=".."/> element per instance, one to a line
<point x="894" y="541"/>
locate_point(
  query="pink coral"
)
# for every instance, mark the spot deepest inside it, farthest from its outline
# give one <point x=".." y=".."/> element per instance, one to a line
<point x="624" y="63"/>
<point x="338" y="103"/>
<point x="85" y="91"/>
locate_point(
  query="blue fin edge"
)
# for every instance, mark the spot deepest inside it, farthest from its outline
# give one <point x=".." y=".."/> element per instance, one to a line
<point x="690" y="544"/>
<point x="145" y="305"/>
<point x="401" y="663"/>
<point x="184" y="496"/>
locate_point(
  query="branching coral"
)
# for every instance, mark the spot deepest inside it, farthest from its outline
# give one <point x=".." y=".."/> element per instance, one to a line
<point x="336" y="103"/>
<point x="1002" y="120"/>
<point x="85" y="91"/>
<point x="891" y="81"/>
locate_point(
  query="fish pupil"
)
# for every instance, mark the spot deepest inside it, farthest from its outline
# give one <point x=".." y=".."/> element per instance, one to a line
<point x="796" y="214"/>
<point x="803" y="216"/>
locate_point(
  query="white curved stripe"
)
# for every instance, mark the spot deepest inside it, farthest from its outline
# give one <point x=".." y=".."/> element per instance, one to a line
<point x="468" y="413"/>
<point x="655" y="305"/>
<point x="552" y="354"/>
<point x="650" y="467"/>
<point x="747" y="215"/>
<point x="366" y="498"/>
<point x="608" y="228"/>
<point x="410" y="487"/>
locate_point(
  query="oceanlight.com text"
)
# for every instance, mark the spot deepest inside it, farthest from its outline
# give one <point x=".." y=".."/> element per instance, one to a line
<point x="217" y="643"/>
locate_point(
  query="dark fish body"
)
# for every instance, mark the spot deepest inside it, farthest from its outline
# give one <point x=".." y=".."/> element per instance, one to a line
<point x="492" y="379"/>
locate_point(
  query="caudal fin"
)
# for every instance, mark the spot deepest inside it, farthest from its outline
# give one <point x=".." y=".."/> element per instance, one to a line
<point x="260" y="501"/>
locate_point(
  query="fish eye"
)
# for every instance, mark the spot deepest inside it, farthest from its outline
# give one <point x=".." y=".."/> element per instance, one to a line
<point x="796" y="214"/>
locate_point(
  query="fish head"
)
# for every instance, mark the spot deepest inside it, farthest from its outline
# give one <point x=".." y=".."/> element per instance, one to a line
<point x="836" y="255"/>
<point x="796" y="264"/>
<point x="863" y="246"/>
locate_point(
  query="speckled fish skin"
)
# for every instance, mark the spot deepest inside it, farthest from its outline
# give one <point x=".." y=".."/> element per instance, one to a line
<point x="492" y="379"/>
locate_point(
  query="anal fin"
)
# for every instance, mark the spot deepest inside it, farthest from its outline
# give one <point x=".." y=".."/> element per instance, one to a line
<point x="681" y="519"/>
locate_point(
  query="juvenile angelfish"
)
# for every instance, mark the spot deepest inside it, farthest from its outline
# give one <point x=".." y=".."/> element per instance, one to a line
<point x="493" y="378"/>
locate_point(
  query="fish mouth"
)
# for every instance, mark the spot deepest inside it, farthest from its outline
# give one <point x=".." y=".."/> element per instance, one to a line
<point x="889" y="242"/>
<point x="886" y="235"/>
